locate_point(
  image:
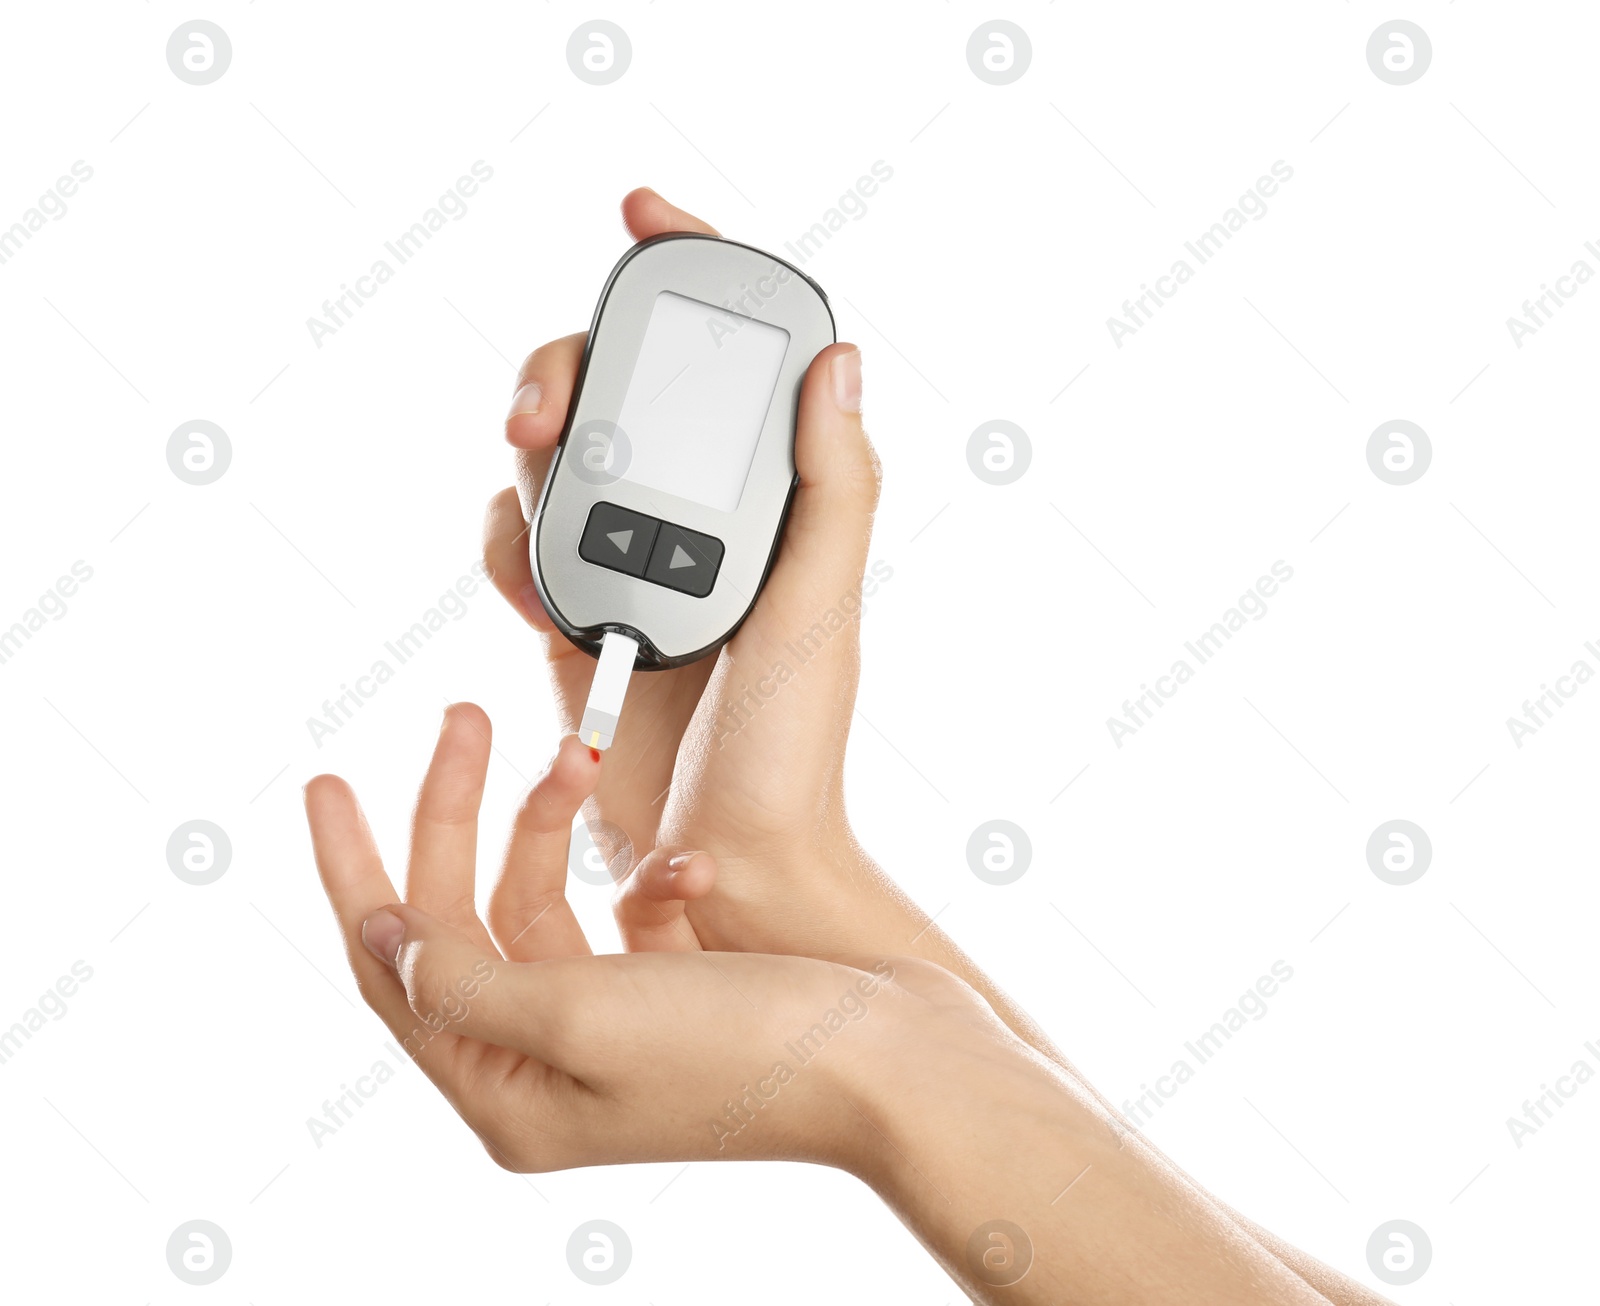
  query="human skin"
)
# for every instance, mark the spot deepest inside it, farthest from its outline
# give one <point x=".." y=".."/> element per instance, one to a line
<point x="558" y="1058"/>
<point x="765" y="799"/>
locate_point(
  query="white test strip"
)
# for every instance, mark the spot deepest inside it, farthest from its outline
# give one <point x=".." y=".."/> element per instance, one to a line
<point x="610" y="687"/>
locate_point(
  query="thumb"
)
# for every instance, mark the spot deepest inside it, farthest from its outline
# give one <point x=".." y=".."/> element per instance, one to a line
<point x="825" y="543"/>
<point x="452" y="985"/>
<point x="650" y="903"/>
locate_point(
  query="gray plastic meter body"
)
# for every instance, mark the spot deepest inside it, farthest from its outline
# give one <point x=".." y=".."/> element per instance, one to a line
<point x="666" y="497"/>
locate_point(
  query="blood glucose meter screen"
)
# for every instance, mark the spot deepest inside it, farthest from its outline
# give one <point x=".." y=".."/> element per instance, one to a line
<point x="698" y="398"/>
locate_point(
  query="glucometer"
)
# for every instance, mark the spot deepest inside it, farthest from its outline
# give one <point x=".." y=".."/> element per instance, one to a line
<point x="666" y="496"/>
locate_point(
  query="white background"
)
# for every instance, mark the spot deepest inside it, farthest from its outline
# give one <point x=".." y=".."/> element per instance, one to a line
<point x="1229" y="433"/>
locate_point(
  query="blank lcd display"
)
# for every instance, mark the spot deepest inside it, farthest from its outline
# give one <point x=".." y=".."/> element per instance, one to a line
<point x="697" y="400"/>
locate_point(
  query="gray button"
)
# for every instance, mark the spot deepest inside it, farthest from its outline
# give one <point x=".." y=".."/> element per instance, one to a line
<point x="684" y="560"/>
<point x="619" y="539"/>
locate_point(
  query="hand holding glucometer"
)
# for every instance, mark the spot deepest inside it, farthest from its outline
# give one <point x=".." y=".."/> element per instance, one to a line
<point x="738" y="754"/>
<point x="666" y="497"/>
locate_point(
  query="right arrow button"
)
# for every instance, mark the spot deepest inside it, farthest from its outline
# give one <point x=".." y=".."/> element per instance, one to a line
<point x="684" y="560"/>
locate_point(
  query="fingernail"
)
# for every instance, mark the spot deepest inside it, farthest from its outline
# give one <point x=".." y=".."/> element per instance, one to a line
<point x="680" y="862"/>
<point x="526" y="400"/>
<point x="847" y="381"/>
<point x="382" y="932"/>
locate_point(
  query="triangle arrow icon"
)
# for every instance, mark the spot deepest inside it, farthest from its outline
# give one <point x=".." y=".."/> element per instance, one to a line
<point x="622" y="539"/>
<point x="680" y="558"/>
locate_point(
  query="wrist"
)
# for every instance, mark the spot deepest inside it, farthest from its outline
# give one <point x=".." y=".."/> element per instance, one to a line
<point x="952" y="1098"/>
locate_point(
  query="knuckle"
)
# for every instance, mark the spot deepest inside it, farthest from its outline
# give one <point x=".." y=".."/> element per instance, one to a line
<point x="457" y="908"/>
<point x="512" y="913"/>
<point x="500" y="1136"/>
<point x="433" y="987"/>
<point x="862" y="474"/>
<point x="629" y="902"/>
<point x="871" y="470"/>
<point x="515" y="1163"/>
<point x="512" y="1150"/>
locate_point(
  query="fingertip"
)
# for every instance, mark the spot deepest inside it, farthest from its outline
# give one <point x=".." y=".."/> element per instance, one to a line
<point x="636" y="199"/>
<point x="681" y="878"/>
<point x="531" y="431"/>
<point x="573" y="747"/>
<point x="331" y="807"/>
<point x="468" y="716"/>
<point x="833" y="381"/>
<point x="831" y="447"/>
<point x="503" y="525"/>
<point x="538" y="407"/>
<point x="533" y="610"/>
<point x="691" y="875"/>
<point x="575" y="769"/>
<point x="646" y="213"/>
<point x="522" y="434"/>
<point x="527" y="401"/>
<point x="532" y="421"/>
<point x="383" y="932"/>
<point x="322" y="788"/>
<point x="844" y="369"/>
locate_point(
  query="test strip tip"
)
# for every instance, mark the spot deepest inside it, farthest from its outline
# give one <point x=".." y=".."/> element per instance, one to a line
<point x="610" y="687"/>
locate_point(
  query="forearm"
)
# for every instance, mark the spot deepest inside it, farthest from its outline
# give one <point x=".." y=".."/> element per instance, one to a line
<point x="892" y="919"/>
<point x="1022" y="1187"/>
